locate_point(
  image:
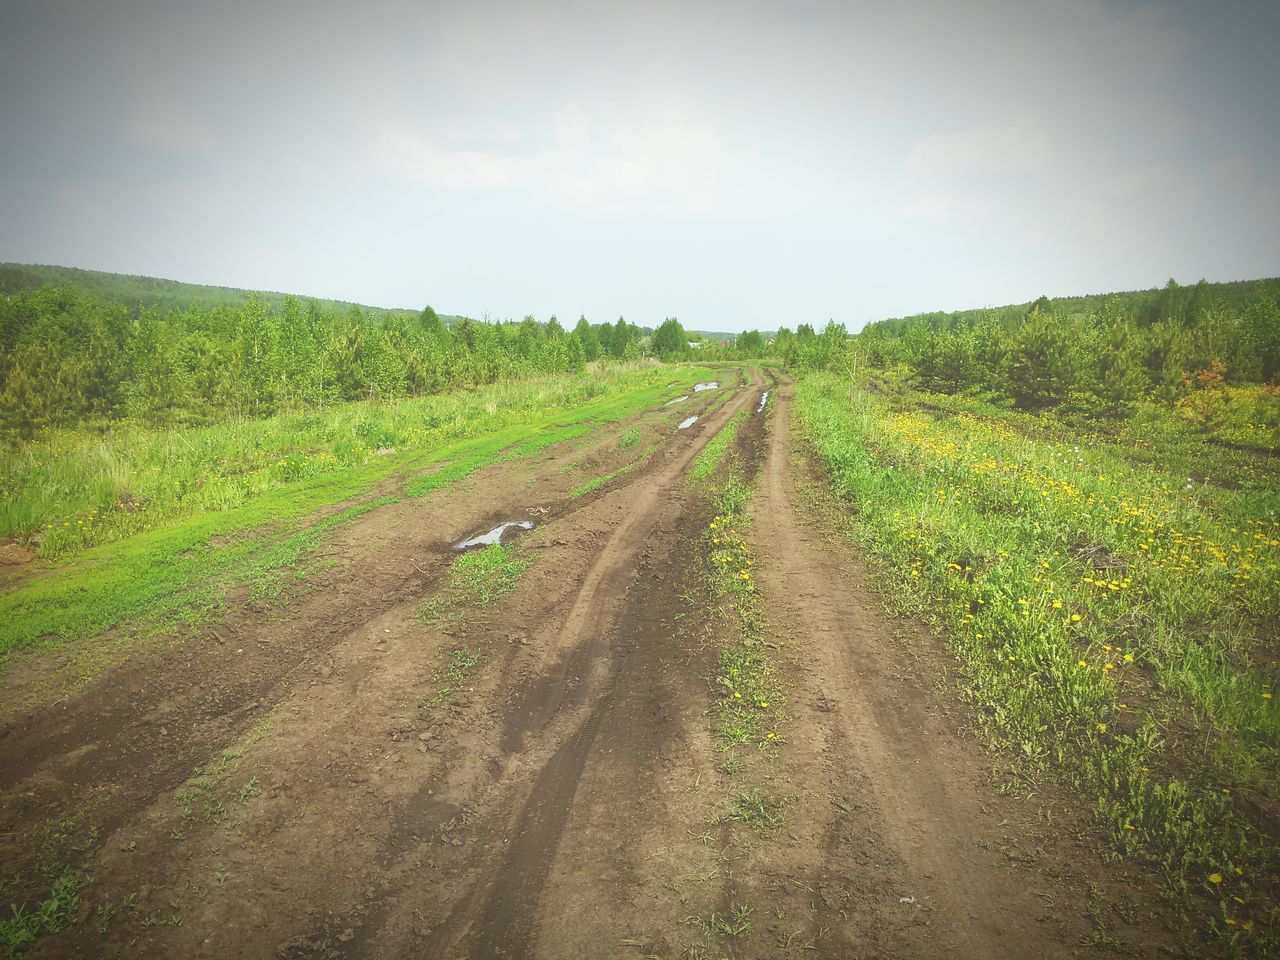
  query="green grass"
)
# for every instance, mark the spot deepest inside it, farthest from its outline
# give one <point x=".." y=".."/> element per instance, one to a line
<point x="595" y="483"/>
<point x="484" y="575"/>
<point x="750" y="700"/>
<point x="705" y="464"/>
<point x="477" y="578"/>
<point x="755" y="809"/>
<point x="172" y="563"/>
<point x="75" y="489"/>
<point x="178" y="575"/>
<point x="1111" y="608"/>
<point x="50" y="915"/>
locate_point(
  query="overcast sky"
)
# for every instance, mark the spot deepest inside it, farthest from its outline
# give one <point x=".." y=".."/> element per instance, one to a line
<point x="734" y="164"/>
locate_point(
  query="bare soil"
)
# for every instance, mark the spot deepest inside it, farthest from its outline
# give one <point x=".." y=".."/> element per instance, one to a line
<point x="289" y="782"/>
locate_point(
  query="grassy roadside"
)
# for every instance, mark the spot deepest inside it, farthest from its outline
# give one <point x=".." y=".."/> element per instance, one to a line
<point x="178" y="571"/>
<point x="77" y="489"/>
<point x="1109" y="612"/>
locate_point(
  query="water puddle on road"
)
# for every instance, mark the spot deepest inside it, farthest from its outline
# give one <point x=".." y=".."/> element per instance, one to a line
<point x="495" y="535"/>
<point x="685" y="425"/>
<point x="677" y="400"/>
<point x="764" y="398"/>
<point x="699" y="387"/>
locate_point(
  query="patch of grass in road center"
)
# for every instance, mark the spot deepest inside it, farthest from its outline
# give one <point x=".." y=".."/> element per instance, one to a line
<point x="756" y="809"/>
<point x="595" y="483"/>
<point x="476" y="578"/>
<point x="705" y="464"/>
<point x="749" y="708"/>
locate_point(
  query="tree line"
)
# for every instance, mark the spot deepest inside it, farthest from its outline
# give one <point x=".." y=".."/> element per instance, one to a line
<point x="68" y="357"/>
<point x="1103" y="352"/>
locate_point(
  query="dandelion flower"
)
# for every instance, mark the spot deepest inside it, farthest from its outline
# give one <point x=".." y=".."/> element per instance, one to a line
<point x="1215" y="878"/>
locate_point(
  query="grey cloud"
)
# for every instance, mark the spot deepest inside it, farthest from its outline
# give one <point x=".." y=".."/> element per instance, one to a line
<point x="738" y="164"/>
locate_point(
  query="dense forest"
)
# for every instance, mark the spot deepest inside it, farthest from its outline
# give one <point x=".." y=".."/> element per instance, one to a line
<point x="68" y="357"/>
<point x="78" y="346"/>
<point x="1102" y="352"/>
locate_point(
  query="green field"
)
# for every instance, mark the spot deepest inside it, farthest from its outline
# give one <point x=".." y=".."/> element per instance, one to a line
<point x="154" y="526"/>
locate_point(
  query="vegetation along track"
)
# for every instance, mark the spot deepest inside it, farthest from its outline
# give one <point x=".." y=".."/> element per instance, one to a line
<point x="406" y="755"/>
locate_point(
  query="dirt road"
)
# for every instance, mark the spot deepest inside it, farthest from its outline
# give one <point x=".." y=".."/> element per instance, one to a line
<point x="561" y="800"/>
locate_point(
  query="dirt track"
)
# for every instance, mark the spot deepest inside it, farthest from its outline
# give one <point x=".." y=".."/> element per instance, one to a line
<point x="558" y="805"/>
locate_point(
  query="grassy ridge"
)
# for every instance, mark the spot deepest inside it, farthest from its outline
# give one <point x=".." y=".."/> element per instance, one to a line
<point x="1111" y="615"/>
<point x="178" y="566"/>
<point x="81" y="488"/>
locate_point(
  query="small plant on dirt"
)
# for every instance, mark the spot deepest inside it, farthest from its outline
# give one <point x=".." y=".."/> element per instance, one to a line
<point x="477" y="577"/>
<point x="755" y="809"/>
<point x="50" y="915"/>
<point x="461" y="665"/>
<point x="630" y="438"/>
<point x="249" y="790"/>
<point x="595" y="483"/>
<point x="737" y="923"/>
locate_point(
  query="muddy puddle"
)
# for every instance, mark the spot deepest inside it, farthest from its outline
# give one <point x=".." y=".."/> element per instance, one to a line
<point x="686" y="424"/>
<point x="678" y="400"/>
<point x="710" y="385"/>
<point x="764" y="398"/>
<point x="496" y="535"/>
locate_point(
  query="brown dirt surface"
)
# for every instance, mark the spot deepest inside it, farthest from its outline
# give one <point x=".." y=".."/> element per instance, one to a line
<point x="334" y="775"/>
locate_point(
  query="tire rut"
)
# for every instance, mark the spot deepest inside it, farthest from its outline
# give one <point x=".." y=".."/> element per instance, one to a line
<point x="549" y="727"/>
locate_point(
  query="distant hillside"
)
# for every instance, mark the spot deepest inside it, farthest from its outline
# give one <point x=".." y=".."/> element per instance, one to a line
<point x="161" y="295"/>
<point x="1101" y="352"/>
<point x="1171" y="303"/>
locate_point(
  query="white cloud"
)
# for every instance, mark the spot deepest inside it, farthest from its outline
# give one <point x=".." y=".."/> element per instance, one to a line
<point x="1145" y="180"/>
<point x="412" y="157"/>
<point x="667" y="164"/>
<point x="939" y="205"/>
<point x="161" y="123"/>
<point x="1014" y="148"/>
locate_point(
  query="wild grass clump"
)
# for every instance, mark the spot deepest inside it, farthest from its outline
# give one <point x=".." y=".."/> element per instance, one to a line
<point x="750" y="702"/>
<point x="477" y="578"/>
<point x="705" y="464"/>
